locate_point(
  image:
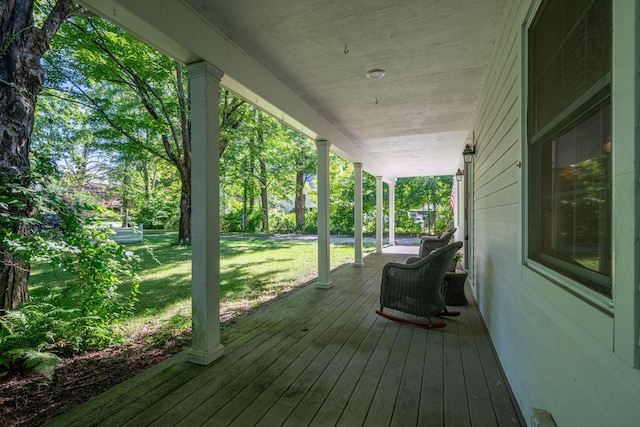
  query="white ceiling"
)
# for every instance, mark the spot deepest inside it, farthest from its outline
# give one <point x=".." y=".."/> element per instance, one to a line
<point x="305" y="62"/>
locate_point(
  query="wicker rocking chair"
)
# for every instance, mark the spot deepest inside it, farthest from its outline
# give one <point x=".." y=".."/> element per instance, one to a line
<point x="414" y="287"/>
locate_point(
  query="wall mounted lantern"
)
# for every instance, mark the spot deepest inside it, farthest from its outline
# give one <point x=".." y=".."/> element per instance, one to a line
<point x="469" y="150"/>
<point x="459" y="175"/>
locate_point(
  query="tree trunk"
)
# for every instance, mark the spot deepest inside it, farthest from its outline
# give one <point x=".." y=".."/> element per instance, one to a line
<point x="126" y="182"/>
<point x="245" y="211"/>
<point x="21" y="79"/>
<point x="251" y="186"/>
<point x="14" y="275"/>
<point x="263" y="195"/>
<point x="300" y="199"/>
<point x="146" y="179"/>
<point x="184" y="231"/>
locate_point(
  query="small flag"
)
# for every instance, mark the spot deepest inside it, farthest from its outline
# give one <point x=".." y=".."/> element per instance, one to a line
<point x="452" y="198"/>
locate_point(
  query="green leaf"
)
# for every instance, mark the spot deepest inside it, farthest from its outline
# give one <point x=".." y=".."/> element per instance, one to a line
<point x="44" y="363"/>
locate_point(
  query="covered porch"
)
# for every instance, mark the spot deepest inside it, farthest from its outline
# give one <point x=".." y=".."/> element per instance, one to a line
<point x="323" y="357"/>
<point x="400" y="89"/>
<point x="412" y="123"/>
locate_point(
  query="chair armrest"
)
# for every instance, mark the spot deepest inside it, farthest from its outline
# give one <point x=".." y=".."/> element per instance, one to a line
<point x="434" y="237"/>
<point x="392" y="265"/>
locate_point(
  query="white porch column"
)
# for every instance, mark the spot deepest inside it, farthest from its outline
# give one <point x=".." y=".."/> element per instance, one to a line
<point x="392" y="213"/>
<point x="324" y="258"/>
<point x="205" y="213"/>
<point x="379" y="215"/>
<point x="357" y="213"/>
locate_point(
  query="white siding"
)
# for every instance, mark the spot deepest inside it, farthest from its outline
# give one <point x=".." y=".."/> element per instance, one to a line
<point x="558" y="351"/>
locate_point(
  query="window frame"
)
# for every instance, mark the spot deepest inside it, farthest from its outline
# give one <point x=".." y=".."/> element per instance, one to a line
<point x="558" y="271"/>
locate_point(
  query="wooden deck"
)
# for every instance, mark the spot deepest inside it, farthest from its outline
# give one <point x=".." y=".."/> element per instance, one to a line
<point x="323" y="357"/>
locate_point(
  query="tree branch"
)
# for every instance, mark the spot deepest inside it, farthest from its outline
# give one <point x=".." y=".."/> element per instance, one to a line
<point x="184" y="116"/>
<point x="146" y="93"/>
<point x="60" y="12"/>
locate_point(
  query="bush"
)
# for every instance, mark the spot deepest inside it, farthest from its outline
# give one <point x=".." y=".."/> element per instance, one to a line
<point x="444" y="219"/>
<point x="311" y="222"/>
<point x="32" y="335"/>
<point x="232" y="222"/>
<point x="87" y="311"/>
<point x="158" y="212"/>
<point x="342" y="219"/>
<point x="255" y="221"/>
<point x="409" y="225"/>
<point x="282" y="223"/>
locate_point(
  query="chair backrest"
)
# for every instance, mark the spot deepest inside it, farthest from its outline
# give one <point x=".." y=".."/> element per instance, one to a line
<point x="427" y="245"/>
<point x="447" y="234"/>
<point x="442" y="256"/>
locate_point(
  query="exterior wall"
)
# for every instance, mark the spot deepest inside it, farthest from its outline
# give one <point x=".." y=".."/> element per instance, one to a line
<point x="559" y="351"/>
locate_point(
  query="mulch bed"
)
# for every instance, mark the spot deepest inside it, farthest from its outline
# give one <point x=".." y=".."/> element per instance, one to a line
<point x="28" y="399"/>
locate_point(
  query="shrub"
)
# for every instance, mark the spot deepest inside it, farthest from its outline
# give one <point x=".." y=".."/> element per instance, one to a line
<point x="311" y="222"/>
<point x="282" y="222"/>
<point x="86" y="312"/>
<point x="232" y="222"/>
<point x="32" y="335"/>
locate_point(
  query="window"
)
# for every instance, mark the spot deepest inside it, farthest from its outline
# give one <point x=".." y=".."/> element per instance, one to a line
<point x="569" y="140"/>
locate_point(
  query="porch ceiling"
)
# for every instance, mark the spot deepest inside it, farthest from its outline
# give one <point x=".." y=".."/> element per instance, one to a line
<point x="304" y="61"/>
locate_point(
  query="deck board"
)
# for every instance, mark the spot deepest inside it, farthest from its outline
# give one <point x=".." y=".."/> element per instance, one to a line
<point x="385" y="398"/>
<point x="478" y="396"/>
<point x="322" y="357"/>
<point x="456" y="409"/>
<point x="432" y="395"/>
<point x="407" y="407"/>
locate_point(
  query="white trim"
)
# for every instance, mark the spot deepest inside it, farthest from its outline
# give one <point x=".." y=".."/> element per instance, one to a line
<point x="379" y="215"/>
<point x="324" y="238"/>
<point x="625" y="240"/>
<point x="357" y="214"/>
<point x="392" y="213"/>
<point x="204" y="85"/>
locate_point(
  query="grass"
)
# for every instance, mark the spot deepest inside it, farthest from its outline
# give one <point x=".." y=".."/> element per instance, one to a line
<point x="253" y="271"/>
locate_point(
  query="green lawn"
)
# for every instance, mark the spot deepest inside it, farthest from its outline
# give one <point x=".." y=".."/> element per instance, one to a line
<point x="252" y="271"/>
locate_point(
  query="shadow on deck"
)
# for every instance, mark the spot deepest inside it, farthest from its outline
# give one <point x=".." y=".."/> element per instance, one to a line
<point x="323" y="357"/>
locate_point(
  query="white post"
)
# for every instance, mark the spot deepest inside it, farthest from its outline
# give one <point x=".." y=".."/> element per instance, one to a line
<point x="392" y="213"/>
<point x="379" y="215"/>
<point x="357" y="213"/>
<point x="204" y="82"/>
<point x="324" y="256"/>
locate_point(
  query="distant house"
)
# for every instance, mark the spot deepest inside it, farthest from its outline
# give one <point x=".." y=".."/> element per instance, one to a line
<point x="114" y="204"/>
<point x="288" y="205"/>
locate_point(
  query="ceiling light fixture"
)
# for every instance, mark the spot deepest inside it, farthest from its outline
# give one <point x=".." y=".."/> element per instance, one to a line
<point x="376" y="73"/>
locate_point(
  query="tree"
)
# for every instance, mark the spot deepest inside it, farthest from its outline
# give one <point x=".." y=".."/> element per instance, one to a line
<point x="22" y="46"/>
<point x="304" y="159"/>
<point x="277" y="154"/>
<point x="138" y="97"/>
<point x="61" y="132"/>
<point x="265" y="152"/>
<point x="430" y="191"/>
